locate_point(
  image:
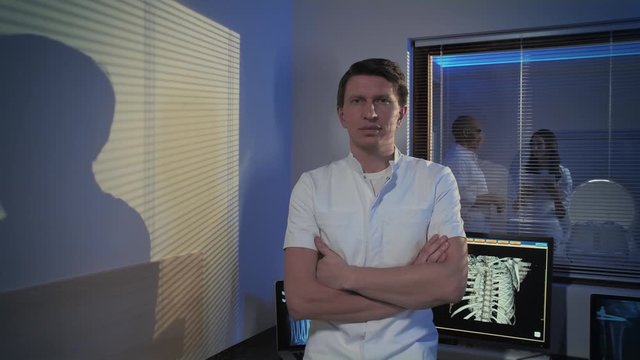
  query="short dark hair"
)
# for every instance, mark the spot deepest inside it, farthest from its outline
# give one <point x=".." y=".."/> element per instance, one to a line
<point x="459" y="127"/>
<point x="377" y="67"/>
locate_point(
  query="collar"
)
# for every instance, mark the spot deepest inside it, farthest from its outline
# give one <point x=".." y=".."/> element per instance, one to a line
<point x="354" y="164"/>
<point x="464" y="151"/>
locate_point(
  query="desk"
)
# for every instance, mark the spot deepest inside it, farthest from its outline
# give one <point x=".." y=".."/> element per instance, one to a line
<point x="460" y="352"/>
<point x="263" y="347"/>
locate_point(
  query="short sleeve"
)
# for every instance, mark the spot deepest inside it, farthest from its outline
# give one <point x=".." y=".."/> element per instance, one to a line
<point x="566" y="186"/>
<point x="446" y="219"/>
<point x="301" y="224"/>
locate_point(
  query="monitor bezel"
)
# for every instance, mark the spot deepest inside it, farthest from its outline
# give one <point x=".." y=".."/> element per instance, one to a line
<point x="283" y="332"/>
<point x="451" y="336"/>
<point x="595" y="299"/>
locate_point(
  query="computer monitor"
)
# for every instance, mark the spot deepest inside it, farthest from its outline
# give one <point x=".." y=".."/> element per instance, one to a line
<point x="508" y="296"/>
<point x="614" y="327"/>
<point x="291" y="334"/>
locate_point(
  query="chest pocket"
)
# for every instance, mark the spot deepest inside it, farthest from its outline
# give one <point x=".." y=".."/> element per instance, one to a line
<point x="404" y="233"/>
<point x="337" y="229"/>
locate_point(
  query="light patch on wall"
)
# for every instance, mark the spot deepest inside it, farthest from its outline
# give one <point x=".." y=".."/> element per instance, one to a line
<point x="172" y="152"/>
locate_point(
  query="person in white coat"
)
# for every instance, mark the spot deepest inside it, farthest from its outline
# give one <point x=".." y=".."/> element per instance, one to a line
<point x="357" y="260"/>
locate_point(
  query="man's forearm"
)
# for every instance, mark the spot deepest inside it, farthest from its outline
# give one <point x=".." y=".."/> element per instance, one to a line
<point x="414" y="286"/>
<point x="318" y="302"/>
<point x="309" y="299"/>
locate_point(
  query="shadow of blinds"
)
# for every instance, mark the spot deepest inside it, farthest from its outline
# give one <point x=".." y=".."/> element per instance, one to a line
<point x="172" y="152"/>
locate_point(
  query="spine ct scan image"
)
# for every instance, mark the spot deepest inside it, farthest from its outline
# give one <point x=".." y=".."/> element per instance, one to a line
<point x="491" y="287"/>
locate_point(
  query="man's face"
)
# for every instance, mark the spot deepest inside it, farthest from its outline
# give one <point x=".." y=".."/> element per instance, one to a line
<point x="371" y="113"/>
<point x="474" y="135"/>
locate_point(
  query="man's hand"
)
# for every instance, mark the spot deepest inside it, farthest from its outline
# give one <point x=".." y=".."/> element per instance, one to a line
<point x="331" y="268"/>
<point x="433" y="251"/>
<point x="490" y="200"/>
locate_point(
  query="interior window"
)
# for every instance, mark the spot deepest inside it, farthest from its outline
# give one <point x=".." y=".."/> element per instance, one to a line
<point x="542" y="133"/>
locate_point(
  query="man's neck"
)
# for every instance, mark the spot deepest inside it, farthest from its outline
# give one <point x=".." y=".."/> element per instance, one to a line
<point x="374" y="160"/>
<point x="467" y="147"/>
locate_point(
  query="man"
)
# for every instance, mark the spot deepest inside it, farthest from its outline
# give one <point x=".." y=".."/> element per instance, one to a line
<point x="357" y="262"/>
<point x="462" y="158"/>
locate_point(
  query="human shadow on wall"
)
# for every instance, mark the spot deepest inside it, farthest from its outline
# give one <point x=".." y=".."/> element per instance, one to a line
<point x="59" y="231"/>
<point x="56" y="109"/>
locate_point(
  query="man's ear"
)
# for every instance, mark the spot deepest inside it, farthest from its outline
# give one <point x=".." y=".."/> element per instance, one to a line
<point x="3" y="214"/>
<point x="401" y="115"/>
<point x="341" y="116"/>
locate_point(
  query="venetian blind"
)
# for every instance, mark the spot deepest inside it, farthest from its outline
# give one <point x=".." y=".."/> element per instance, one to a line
<point x="579" y="92"/>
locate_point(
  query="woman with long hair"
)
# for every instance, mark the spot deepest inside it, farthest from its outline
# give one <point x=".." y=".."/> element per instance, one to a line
<point x="541" y="190"/>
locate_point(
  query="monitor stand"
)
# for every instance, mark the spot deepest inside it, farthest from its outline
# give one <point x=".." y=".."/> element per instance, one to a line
<point x="464" y="352"/>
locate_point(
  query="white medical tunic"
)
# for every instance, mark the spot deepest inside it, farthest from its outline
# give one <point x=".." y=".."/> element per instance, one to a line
<point x="419" y="199"/>
<point x="471" y="183"/>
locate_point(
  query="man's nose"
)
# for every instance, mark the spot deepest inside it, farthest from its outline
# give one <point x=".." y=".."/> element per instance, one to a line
<point x="369" y="111"/>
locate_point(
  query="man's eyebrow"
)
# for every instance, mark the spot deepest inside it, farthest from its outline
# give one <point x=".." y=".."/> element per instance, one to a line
<point x="379" y="96"/>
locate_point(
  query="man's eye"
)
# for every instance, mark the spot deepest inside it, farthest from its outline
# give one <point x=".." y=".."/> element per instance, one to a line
<point x="355" y="101"/>
<point x="382" y="101"/>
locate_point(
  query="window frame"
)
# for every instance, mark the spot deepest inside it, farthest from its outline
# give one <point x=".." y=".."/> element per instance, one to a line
<point x="420" y="131"/>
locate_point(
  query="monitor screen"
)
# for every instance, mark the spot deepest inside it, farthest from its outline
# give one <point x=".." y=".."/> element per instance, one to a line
<point x="292" y="334"/>
<point x="615" y="327"/>
<point x="508" y="293"/>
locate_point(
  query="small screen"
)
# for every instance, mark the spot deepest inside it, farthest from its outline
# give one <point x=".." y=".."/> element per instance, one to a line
<point x="615" y="327"/>
<point x="292" y="333"/>
<point x="507" y="299"/>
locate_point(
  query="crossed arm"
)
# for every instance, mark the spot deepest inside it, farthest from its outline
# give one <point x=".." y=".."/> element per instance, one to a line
<point x="320" y="285"/>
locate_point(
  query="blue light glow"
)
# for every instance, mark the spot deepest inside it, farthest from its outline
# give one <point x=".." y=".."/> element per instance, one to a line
<point x="538" y="55"/>
<point x="534" y="243"/>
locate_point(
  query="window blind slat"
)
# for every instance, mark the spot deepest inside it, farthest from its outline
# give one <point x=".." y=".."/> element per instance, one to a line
<point x="584" y="89"/>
